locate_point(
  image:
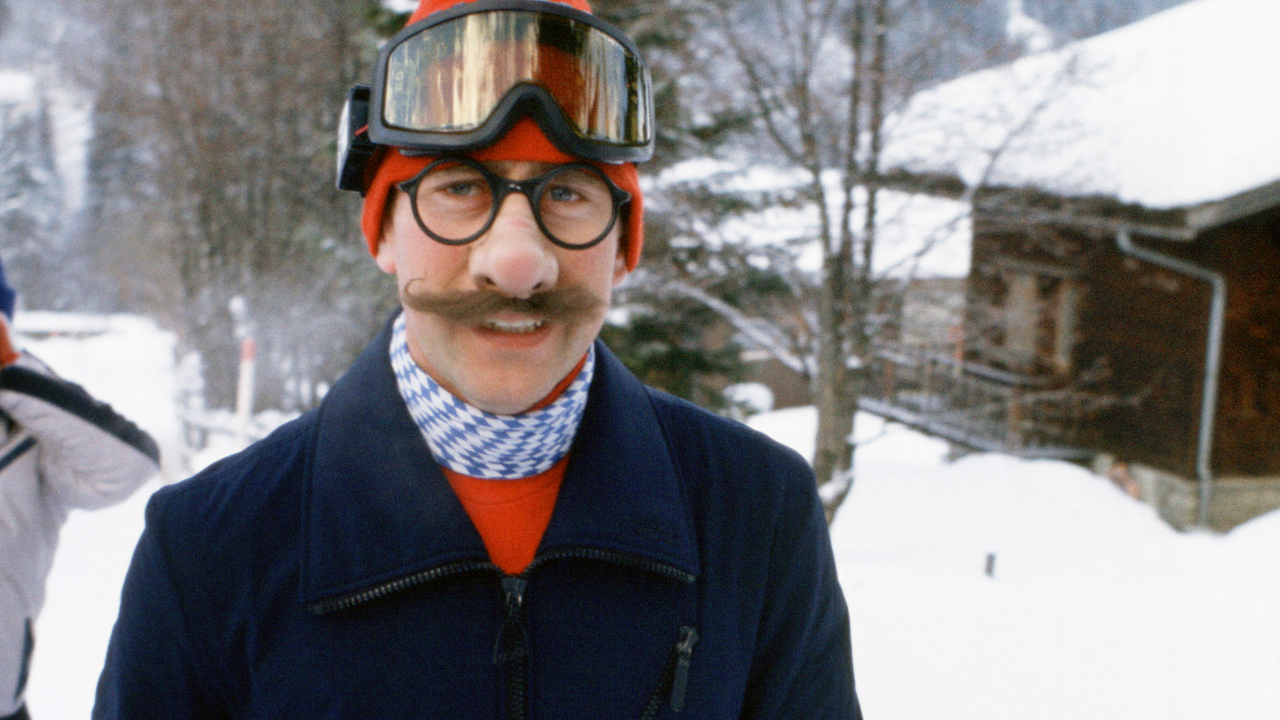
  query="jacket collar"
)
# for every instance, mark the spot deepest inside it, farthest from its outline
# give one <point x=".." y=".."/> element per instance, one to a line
<point x="377" y="508"/>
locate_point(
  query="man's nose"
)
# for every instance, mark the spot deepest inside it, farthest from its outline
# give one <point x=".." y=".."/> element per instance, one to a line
<point x="513" y="257"/>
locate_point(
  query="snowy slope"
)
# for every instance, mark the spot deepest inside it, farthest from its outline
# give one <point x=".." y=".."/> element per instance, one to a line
<point x="1095" y="609"/>
<point x="1176" y="109"/>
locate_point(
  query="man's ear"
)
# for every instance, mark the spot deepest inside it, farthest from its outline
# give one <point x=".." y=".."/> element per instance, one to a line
<point x="386" y="255"/>
<point x="620" y="266"/>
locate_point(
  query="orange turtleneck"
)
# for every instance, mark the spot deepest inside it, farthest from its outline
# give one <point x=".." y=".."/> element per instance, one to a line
<point x="512" y="515"/>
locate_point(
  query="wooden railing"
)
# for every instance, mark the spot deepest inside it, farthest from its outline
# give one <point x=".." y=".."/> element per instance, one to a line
<point x="927" y="387"/>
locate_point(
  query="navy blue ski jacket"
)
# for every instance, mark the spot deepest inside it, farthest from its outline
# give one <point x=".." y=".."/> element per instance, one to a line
<point x="329" y="571"/>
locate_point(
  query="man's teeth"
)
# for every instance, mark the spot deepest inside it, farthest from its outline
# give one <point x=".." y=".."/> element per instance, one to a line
<point x="513" y="326"/>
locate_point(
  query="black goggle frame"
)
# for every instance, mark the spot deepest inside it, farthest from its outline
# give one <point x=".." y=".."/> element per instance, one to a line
<point x="362" y="134"/>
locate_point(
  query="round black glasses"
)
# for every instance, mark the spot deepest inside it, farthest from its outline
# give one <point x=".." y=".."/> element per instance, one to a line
<point x="455" y="201"/>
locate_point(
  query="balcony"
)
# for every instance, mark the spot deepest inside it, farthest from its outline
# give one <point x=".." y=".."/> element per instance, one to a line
<point x="982" y="408"/>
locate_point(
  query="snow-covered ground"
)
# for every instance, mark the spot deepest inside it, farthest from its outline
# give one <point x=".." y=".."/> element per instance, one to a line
<point x="1095" y="609"/>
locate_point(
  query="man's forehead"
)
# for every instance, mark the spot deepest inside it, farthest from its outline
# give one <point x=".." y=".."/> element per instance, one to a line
<point x="519" y="168"/>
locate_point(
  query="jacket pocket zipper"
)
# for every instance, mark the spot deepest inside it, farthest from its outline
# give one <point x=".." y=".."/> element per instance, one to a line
<point x="512" y="647"/>
<point x="675" y="676"/>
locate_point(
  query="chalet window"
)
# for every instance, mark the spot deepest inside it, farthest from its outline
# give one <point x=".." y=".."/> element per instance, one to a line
<point x="1030" y="316"/>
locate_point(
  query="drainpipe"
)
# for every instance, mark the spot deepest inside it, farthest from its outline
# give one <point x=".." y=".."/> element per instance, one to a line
<point x="1212" y="355"/>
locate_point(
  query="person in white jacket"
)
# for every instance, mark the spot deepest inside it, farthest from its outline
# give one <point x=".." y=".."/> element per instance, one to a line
<point x="59" y="449"/>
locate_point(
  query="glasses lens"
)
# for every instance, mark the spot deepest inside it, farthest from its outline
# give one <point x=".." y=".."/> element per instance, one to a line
<point x="576" y="205"/>
<point x="450" y="77"/>
<point x="453" y="202"/>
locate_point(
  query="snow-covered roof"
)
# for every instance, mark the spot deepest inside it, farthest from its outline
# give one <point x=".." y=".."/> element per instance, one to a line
<point x="1178" y="109"/>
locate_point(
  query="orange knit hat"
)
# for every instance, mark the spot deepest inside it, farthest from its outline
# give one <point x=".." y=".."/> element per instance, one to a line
<point x="426" y="7"/>
<point x="525" y="141"/>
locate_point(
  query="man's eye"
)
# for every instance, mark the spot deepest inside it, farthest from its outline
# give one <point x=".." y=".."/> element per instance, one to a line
<point x="462" y="188"/>
<point x="563" y="194"/>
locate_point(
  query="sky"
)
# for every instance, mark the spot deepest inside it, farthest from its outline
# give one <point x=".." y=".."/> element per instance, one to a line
<point x="1094" y="608"/>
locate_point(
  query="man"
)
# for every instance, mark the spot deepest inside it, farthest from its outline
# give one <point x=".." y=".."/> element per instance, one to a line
<point x="59" y="449"/>
<point x="488" y="516"/>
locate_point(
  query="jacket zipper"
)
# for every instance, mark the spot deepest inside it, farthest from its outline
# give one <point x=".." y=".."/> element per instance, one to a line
<point x="512" y="648"/>
<point x="343" y="602"/>
<point x="675" y="676"/>
<point x="323" y="607"/>
<point x="618" y="558"/>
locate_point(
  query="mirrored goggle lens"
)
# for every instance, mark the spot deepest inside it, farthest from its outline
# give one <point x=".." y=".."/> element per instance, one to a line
<point x="456" y="201"/>
<point x="450" y="77"/>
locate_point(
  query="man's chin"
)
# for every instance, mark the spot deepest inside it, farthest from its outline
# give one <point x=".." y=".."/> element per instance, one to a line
<point x="505" y="401"/>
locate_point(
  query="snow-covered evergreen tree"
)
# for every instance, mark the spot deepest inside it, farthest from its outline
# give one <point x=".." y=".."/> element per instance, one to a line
<point x="30" y="189"/>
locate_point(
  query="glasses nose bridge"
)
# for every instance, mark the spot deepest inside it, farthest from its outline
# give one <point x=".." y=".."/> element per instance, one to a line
<point x="502" y="187"/>
<point x="506" y="186"/>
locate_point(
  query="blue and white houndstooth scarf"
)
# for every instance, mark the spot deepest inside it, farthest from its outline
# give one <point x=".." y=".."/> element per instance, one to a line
<point x="481" y="444"/>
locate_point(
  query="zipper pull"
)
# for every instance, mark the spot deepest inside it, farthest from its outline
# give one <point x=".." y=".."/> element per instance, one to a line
<point x="684" y="656"/>
<point x="513" y="586"/>
<point x="512" y="643"/>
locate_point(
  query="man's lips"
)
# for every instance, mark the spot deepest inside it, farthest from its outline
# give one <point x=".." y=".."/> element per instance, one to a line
<point x="517" y="327"/>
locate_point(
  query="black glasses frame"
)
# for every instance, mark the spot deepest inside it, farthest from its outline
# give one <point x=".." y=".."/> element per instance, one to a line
<point x="500" y="187"/>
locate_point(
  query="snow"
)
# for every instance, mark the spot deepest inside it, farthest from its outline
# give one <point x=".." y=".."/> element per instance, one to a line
<point x="16" y="87"/>
<point x="70" y="114"/>
<point x="1026" y="30"/>
<point x="1094" y="608"/>
<point x="1177" y="109"/>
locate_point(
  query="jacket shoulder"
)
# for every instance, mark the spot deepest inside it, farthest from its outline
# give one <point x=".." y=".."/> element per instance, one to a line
<point x="712" y="447"/>
<point x="681" y="414"/>
<point x="35" y="396"/>
<point x="240" y="495"/>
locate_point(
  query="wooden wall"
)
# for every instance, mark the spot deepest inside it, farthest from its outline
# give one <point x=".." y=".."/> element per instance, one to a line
<point x="1147" y="327"/>
<point x="1247" y="439"/>
<point x="1054" y="302"/>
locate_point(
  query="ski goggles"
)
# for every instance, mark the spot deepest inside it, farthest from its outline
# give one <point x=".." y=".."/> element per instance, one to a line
<point x="457" y="80"/>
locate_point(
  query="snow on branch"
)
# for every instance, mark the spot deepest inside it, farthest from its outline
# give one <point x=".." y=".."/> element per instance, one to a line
<point x="762" y="334"/>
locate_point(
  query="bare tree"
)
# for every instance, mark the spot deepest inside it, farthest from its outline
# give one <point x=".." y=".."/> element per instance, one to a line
<point x="822" y="79"/>
<point x="819" y="53"/>
<point x="213" y="170"/>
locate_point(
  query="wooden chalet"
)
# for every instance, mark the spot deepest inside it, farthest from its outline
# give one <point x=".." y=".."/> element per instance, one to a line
<point x="1128" y="317"/>
<point x="1147" y="340"/>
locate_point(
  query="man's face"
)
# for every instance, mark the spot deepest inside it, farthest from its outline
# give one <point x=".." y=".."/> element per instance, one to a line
<point x="501" y="360"/>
